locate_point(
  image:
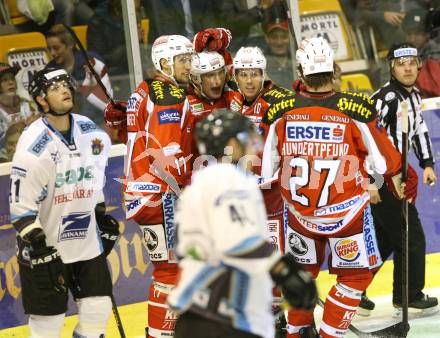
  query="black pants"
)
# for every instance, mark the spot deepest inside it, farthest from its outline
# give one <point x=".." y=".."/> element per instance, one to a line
<point x="388" y="218"/>
<point x="89" y="278"/>
<point x="194" y="326"/>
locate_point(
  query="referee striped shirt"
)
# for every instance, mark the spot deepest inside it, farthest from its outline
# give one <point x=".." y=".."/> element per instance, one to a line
<point x="388" y="103"/>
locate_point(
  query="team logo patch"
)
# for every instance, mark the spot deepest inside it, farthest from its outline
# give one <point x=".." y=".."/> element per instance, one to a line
<point x="97" y="146"/>
<point x="151" y="239"/>
<point x="169" y="116"/>
<point x="389" y="96"/>
<point x="234" y="106"/>
<point x="347" y="249"/>
<point x="197" y="107"/>
<point x="75" y="226"/>
<point x="297" y="244"/>
<point x="40" y="143"/>
<point x="86" y="127"/>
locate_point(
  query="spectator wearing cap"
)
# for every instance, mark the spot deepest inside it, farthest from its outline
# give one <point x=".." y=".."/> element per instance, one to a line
<point x="279" y="62"/>
<point x="415" y="26"/>
<point x="13" y="108"/>
<point x="417" y="33"/>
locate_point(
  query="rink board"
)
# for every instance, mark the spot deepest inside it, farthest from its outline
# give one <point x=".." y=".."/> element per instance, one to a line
<point x="131" y="271"/>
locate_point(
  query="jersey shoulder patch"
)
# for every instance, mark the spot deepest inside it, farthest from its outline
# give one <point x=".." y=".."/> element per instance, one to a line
<point x="165" y="94"/>
<point x="86" y="127"/>
<point x="358" y="106"/>
<point x="40" y="143"/>
<point x="281" y="100"/>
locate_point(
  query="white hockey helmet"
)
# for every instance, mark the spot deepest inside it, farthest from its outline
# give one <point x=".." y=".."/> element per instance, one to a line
<point x="206" y="62"/>
<point x="167" y="47"/>
<point x="249" y="57"/>
<point x="315" y="56"/>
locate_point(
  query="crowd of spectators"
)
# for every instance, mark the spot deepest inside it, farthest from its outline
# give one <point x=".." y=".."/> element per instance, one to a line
<point x="252" y="22"/>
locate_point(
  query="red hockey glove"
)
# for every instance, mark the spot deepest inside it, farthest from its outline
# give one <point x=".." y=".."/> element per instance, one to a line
<point x="212" y="39"/>
<point x="407" y="191"/>
<point x="411" y="185"/>
<point x="115" y="115"/>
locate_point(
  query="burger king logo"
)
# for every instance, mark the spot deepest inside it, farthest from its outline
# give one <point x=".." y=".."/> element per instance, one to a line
<point x="347" y="250"/>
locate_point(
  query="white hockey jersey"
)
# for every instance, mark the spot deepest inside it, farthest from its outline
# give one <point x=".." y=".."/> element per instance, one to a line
<point x="58" y="182"/>
<point x="221" y="225"/>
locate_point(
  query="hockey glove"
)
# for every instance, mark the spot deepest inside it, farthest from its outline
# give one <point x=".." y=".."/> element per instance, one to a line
<point x="296" y="284"/>
<point x="212" y="39"/>
<point x="47" y="268"/>
<point x="109" y="228"/>
<point x="407" y="190"/>
<point x="116" y="115"/>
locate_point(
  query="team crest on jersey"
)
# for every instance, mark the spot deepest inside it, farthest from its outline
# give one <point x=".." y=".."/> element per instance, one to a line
<point x="347" y="249"/>
<point x="75" y="226"/>
<point x="97" y="146"/>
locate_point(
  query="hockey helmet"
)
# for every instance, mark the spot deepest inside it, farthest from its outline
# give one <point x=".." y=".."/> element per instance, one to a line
<point x="167" y="47"/>
<point x="206" y="62"/>
<point x="43" y="79"/>
<point x="249" y="57"/>
<point x="315" y="56"/>
<point x="215" y="130"/>
<point x="402" y="51"/>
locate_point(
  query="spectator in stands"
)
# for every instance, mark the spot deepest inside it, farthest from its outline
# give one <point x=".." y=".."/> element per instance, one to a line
<point x="90" y="100"/>
<point x="185" y="17"/>
<point x="279" y="62"/>
<point x="105" y="36"/>
<point x="11" y="138"/>
<point x="13" y="108"/>
<point x="239" y="18"/>
<point x="415" y="26"/>
<point x="385" y="16"/>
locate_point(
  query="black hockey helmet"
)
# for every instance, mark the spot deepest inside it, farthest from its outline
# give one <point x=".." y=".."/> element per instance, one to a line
<point x="400" y="52"/>
<point x="215" y="130"/>
<point x="43" y="79"/>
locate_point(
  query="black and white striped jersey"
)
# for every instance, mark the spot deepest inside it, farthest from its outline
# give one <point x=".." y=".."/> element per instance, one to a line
<point x="388" y="102"/>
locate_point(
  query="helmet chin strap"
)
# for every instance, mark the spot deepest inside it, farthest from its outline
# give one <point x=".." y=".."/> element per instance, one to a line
<point x="54" y="113"/>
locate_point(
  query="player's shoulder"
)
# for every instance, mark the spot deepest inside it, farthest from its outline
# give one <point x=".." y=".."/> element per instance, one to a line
<point x="358" y="106"/>
<point x="386" y="93"/>
<point x="218" y="179"/>
<point x="34" y="140"/>
<point x="281" y="100"/>
<point x="164" y="93"/>
<point x="87" y="127"/>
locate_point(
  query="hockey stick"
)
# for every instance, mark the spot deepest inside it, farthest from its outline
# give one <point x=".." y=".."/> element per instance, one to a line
<point x="117" y="317"/>
<point x="405" y="225"/>
<point x="89" y="65"/>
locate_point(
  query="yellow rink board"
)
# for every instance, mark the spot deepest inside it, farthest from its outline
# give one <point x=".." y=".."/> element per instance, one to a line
<point x="134" y="316"/>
